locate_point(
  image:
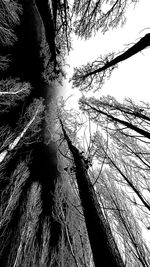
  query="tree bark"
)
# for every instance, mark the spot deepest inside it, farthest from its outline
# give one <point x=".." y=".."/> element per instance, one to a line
<point x="104" y="248"/>
<point x="49" y="24"/>
<point x="43" y="164"/>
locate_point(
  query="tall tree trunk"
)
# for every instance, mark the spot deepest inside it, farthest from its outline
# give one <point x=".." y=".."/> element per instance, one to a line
<point x="43" y="164"/>
<point x="104" y="248"/>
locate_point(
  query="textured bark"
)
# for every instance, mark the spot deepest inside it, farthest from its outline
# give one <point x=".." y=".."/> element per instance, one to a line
<point x="26" y="60"/>
<point x="28" y="65"/>
<point x="104" y="249"/>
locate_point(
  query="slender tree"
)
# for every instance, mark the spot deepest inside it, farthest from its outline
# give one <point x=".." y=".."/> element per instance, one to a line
<point x="103" y="245"/>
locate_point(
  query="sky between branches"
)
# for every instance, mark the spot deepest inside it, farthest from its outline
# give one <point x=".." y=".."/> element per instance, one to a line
<point x="131" y="78"/>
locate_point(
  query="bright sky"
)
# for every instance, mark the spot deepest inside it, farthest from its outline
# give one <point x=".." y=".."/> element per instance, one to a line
<point x="131" y="78"/>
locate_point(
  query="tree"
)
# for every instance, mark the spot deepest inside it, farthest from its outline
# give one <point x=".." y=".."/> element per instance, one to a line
<point x="122" y="153"/>
<point x="29" y="165"/>
<point x="102" y="242"/>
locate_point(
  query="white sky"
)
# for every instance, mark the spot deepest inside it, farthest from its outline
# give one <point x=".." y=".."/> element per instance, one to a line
<point x="131" y="78"/>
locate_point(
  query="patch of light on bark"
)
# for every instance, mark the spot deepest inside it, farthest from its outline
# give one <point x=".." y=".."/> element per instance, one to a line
<point x="3" y="155"/>
<point x="16" y="141"/>
<point x="12" y="93"/>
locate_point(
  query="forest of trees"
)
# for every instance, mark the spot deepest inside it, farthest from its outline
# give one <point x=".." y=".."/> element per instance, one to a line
<point x="67" y="200"/>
